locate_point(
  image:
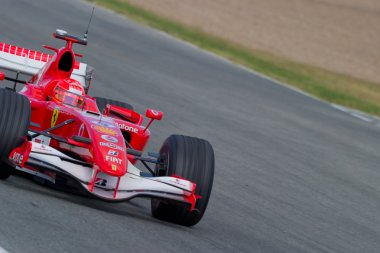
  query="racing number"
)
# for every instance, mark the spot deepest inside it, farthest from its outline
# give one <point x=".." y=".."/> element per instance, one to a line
<point x="101" y="182"/>
<point x="54" y="117"/>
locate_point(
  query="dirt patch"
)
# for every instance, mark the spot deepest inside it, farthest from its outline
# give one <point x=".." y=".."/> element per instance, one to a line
<point x="339" y="35"/>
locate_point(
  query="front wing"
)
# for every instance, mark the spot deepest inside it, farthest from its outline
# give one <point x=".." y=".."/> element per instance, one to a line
<point x="37" y="159"/>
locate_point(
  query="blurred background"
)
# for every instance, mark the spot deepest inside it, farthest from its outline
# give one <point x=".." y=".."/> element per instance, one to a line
<point x="340" y="35"/>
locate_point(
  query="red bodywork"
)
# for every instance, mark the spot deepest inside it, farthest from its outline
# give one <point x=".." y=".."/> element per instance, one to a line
<point x="107" y="150"/>
<point x="70" y="137"/>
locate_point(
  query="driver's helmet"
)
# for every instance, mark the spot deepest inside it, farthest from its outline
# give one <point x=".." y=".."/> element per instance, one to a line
<point x="69" y="92"/>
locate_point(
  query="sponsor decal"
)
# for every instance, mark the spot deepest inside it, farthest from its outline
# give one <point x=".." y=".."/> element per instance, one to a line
<point x="104" y="130"/>
<point x="109" y="138"/>
<point x="43" y="149"/>
<point x="113" y="152"/>
<point x="128" y="128"/>
<point x="111" y="145"/>
<point x="54" y="117"/>
<point x="113" y="159"/>
<point x="17" y="158"/>
<point x="42" y="140"/>
<point x="155" y="113"/>
<point x="177" y="181"/>
<point x="114" y="167"/>
<point x="102" y="123"/>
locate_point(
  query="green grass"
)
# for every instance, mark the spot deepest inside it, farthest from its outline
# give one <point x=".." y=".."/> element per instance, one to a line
<point x="332" y="87"/>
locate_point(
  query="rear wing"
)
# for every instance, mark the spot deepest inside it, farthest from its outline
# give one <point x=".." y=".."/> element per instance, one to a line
<point x="29" y="62"/>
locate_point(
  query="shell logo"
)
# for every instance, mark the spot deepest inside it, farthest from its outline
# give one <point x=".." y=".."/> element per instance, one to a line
<point x="104" y="130"/>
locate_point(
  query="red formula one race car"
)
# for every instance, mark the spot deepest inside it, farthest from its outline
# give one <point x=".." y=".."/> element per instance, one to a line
<point x="53" y="130"/>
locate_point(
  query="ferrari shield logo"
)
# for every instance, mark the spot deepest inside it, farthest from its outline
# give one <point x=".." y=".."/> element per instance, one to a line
<point x="54" y="117"/>
<point x="114" y="168"/>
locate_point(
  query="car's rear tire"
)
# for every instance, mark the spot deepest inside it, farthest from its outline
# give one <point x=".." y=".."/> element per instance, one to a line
<point x="14" y="123"/>
<point x="103" y="102"/>
<point x="193" y="159"/>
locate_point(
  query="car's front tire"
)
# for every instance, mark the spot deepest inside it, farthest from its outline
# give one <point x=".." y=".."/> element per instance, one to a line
<point x="14" y="124"/>
<point x="193" y="159"/>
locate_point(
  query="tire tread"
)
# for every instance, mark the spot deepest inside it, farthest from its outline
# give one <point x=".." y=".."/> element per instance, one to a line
<point x="193" y="159"/>
<point x="14" y="123"/>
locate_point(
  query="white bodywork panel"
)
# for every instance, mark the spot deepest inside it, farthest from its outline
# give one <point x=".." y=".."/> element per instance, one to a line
<point x="130" y="185"/>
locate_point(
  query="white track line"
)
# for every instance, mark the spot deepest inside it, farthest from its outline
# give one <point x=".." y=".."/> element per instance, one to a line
<point x="359" y="116"/>
<point x="340" y="108"/>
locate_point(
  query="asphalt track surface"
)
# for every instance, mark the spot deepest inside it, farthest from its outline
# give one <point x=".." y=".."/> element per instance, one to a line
<point x="292" y="174"/>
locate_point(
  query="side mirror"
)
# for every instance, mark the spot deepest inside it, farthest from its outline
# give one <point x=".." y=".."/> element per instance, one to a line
<point x="2" y="76"/>
<point x="153" y="114"/>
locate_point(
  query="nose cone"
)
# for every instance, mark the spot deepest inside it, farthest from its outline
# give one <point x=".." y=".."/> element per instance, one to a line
<point x="115" y="164"/>
<point x="109" y="147"/>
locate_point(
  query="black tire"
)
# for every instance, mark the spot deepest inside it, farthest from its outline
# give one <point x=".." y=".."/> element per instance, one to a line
<point x="6" y="170"/>
<point x="193" y="159"/>
<point x="103" y="102"/>
<point x="14" y="124"/>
